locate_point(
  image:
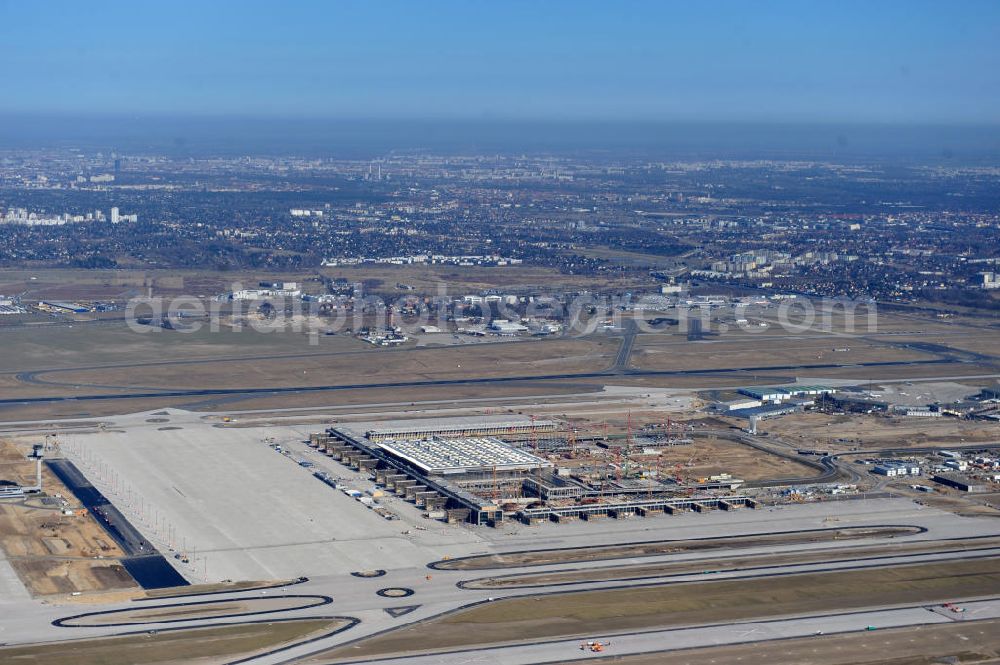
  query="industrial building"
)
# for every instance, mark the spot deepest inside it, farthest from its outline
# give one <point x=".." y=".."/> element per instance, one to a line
<point x="55" y="306"/>
<point x="860" y="403"/>
<point x="10" y="490"/>
<point x="917" y="412"/>
<point x="961" y="483"/>
<point x="506" y="328"/>
<point x="765" y="411"/>
<point x="901" y="469"/>
<point x="738" y="404"/>
<point x="782" y="393"/>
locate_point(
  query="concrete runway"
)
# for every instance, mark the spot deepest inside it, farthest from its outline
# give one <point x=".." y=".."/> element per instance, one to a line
<point x="688" y="638"/>
<point x="432" y="383"/>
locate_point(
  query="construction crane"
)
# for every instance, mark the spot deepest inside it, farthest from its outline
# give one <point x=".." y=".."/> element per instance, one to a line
<point x="650" y="477"/>
<point x="628" y="440"/>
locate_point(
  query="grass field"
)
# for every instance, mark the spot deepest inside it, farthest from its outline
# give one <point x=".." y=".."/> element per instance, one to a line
<point x="669" y="352"/>
<point x="364" y="366"/>
<point x="877" y="432"/>
<point x="68" y="284"/>
<point x="117" y="359"/>
<point x="975" y="340"/>
<point x="606" y="612"/>
<point x="182" y="646"/>
<point x="191" y="611"/>
<point x="198" y="589"/>
<point x="89" y="345"/>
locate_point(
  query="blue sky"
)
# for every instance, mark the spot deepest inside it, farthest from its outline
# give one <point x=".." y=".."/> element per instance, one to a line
<point x="843" y="61"/>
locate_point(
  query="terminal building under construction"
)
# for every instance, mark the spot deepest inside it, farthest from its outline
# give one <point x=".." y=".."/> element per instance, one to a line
<point x="485" y="470"/>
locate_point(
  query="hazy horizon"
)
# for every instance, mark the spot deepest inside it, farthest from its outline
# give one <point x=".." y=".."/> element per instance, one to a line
<point x="914" y="80"/>
<point x="215" y="135"/>
<point x="780" y="61"/>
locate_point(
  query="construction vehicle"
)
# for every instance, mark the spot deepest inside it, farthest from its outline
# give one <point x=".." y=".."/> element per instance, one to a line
<point x="594" y="646"/>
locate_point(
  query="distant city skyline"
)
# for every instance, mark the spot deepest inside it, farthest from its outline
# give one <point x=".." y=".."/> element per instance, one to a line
<point x="780" y="61"/>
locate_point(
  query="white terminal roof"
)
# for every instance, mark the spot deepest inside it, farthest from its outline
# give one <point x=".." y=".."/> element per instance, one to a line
<point x="443" y="456"/>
